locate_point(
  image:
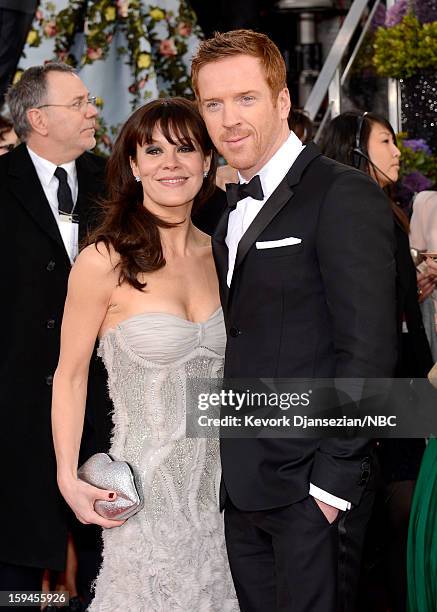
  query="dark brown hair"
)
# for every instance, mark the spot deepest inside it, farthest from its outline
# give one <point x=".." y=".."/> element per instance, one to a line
<point x="6" y="126"/>
<point x="242" y="42"/>
<point x="301" y="124"/>
<point x="340" y="140"/>
<point x="128" y="226"/>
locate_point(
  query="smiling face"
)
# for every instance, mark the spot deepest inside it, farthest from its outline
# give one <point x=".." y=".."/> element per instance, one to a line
<point x="384" y="153"/>
<point x="171" y="174"/>
<point x="245" y="123"/>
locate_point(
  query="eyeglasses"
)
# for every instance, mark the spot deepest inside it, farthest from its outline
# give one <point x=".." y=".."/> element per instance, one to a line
<point x="7" y="147"/>
<point x="79" y="105"/>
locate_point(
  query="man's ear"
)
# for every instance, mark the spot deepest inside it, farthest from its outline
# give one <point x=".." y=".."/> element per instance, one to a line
<point x="284" y="102"/>
<point x="38" y="121"/>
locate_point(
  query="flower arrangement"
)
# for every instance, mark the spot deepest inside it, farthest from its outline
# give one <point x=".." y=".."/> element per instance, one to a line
<point x="156" y="38"/>
<point x="418" y="168"/>
<point x="156" y="44"/>
<point x="407" y="42"/>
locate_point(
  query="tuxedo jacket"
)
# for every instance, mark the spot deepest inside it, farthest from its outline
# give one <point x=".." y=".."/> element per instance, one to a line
<point x="35" y="270"/>
<point x="210" y="213"/>
<point x="322" y="307"/>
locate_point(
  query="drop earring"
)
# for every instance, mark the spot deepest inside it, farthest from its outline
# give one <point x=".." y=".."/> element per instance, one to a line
<point x="138" y="179"/>
<point x="205" y="174"/>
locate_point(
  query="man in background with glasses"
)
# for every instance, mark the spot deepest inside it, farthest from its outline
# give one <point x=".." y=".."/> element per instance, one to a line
<point x="49" y="185"/>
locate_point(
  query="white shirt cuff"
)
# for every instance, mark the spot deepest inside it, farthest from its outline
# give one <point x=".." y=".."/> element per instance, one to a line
<point x="328" y="498"/>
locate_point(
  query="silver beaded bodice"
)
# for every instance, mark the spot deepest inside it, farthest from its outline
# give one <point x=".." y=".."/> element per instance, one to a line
<point x="149" y="358"/>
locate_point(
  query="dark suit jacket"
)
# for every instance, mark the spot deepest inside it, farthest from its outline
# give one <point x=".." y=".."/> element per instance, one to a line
<point x="323" y="308"/>
<point x="210" y="213"/>
<point x="24" y="6"/>
<point x="35" y="270"/>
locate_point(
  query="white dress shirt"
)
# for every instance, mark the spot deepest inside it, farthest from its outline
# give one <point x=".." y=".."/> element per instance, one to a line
<point x="46" y="173"/>
<point x="248" y="208"/>
<point x="239" y="220"/>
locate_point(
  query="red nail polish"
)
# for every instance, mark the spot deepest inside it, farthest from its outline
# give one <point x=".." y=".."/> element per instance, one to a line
<point x="111" y="495"/>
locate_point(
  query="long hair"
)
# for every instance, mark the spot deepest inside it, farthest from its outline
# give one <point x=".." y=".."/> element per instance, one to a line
<point x="340" y="139"/>
<point x="128" y="226"/>
<point x="6" y="126"/>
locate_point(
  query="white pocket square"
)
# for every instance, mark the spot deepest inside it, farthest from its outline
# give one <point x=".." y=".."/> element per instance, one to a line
<point x="274" y="244"/>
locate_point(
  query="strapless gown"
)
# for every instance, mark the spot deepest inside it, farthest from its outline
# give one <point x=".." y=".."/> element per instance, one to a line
<point x="169" y="557"/>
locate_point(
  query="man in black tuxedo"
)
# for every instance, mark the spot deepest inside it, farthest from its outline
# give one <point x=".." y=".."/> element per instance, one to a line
<point x="48" y="188"/>
<point x="305" y="258"/>
<point x="16" y="18"/>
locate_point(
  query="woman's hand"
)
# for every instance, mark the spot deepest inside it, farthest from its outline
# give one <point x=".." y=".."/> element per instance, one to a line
<point x="81" y="497"/>
<point x="425" y="285"/>
<point x="427" y="279"/>
<point x="431" y="268"/>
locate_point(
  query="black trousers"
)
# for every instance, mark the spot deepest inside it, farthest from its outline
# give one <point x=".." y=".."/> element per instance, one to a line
<point x="384" y="575"/>
<point x="291" y="559"/>
<point x="20" y="578"/>
<point x="14" y="27"/>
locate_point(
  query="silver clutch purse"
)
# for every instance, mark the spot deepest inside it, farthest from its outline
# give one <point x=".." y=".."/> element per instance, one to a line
<point x="104" y="472"/>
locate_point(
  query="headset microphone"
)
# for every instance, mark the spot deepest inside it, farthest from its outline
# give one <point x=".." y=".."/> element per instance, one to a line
<point x="358" y="151"/>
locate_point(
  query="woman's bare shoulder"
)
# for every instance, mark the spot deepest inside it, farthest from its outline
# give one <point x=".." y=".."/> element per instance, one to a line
<point x="97" y="257"/>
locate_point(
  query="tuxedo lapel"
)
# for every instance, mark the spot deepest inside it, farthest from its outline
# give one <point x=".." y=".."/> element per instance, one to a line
<point x="283" y="194"/>
<point x="276" y="202"/>
<point x="26" y="186"/>
<point x="221" y="255"/>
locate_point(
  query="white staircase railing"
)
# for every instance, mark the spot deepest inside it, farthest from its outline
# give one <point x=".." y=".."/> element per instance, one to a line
<point x="331" y="80"/>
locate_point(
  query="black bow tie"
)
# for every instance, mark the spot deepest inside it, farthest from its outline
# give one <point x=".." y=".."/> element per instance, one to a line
<point x="238" y="191"/>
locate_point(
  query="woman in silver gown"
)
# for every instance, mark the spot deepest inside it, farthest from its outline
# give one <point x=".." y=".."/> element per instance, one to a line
<point x="146" y="286"/>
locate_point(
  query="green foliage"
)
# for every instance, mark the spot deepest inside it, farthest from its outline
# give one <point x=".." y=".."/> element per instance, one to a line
<point x="406" y="48"/>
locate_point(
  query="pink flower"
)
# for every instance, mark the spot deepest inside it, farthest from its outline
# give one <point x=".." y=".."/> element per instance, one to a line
<point x="94" y="54"/>
<point x="50" y="28"/>
<point x="123" y="6"/>
<point x="133" y="88"/>
<point x="184" y="29"/>
<point x="167" y="47"/>
<point x="39" y="16"/>
<point x="142" y="83"/>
